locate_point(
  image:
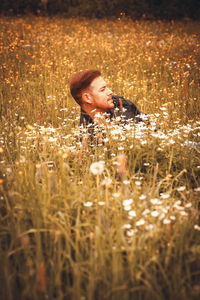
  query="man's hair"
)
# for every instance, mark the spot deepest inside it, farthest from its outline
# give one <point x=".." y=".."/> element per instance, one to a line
<point x="80" y="81"/>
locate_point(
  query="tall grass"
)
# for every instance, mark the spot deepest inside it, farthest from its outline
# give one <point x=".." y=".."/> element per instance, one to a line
<point x="130" y="230"/>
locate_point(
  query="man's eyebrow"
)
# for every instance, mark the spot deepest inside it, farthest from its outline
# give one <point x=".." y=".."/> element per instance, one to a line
<point x="102" y="87"/>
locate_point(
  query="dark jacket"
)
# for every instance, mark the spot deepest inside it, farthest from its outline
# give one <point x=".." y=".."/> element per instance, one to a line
<point x="122" y="108"/>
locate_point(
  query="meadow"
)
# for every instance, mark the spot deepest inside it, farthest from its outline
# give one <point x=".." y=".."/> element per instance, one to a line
<point x="113" y="218"/>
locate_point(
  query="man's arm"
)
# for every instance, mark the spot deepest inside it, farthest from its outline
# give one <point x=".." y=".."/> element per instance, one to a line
<point x="128" y="110"/>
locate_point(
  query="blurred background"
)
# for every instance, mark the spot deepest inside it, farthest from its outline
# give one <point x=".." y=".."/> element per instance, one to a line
<point x="136" y="9"/>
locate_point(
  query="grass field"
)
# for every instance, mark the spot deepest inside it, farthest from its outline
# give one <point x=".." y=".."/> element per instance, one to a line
<point x="114" y="220"/>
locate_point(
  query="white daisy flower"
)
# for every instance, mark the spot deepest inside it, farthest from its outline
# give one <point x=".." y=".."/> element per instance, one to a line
<point x="97" y="168"/>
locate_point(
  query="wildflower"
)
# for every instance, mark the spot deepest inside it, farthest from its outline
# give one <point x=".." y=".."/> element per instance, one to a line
<point x="66" y="154"/>
<point x="188" y="205"/>
<point x="149" y="227"/>
<point x="107" y="181"/>
<point x="130" y="233"/>
<point x="132" y="213"/>
<point x="171" y="141"/>
<point x="166" y="221"/>
<point x="183" y="213"/>
<point x="88" y="204"/>
<point x="22" y="159"/>
<point x="121" y="148"/>
<point x="126" y="182"/>
<point x="162" y="216"/>
<point x="140" y="222"/>
<point x="181" y="188"/>
<point x="127" y="202"/>
<point x="177" y="203"/>
<point x="116" y="195"/>
<point x="30" y="127"/>
<point x="97" y="168"/>
<point x="142" y="197"/>
<point x="165" y="210"/>
<point x="146" y="212"/>
<point x="101" y="203"/>
<point x="51" y="139"/>
<point x="126" y="226"/>
<point x="155" y="213"/>
<point x="197" y="227"/>
<point x="154" y="201"/>
<point x="178" y="207"/>
<point x="127" y="207"/>
<point x="138" y="183"/>
<point x="164" y="195"/>
<point x="168" y="177"/>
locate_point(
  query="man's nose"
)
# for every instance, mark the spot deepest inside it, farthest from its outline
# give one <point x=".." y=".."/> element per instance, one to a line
<point x="109" y="92"/>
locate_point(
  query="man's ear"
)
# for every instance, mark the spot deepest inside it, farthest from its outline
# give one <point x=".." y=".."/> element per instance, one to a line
<point x="86" y="97"/>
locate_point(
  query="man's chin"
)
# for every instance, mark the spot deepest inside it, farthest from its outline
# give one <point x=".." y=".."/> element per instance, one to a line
<point x="110" y="103"/>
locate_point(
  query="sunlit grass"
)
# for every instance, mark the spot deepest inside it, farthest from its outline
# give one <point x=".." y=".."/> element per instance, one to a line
<point x="128" y="226"/>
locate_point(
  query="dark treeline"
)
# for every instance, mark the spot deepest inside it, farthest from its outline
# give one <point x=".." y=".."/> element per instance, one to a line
<point x="150" y="9"/>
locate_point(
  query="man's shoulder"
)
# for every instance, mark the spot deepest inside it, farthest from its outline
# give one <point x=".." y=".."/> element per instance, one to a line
<point x="124" y="107"/>
<point x="125" y="102"/>
<point x="120" y="101"/>
<point x="85" y="119"/>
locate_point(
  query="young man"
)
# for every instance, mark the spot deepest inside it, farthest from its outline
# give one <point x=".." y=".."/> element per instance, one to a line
<point x="96" y="100"/>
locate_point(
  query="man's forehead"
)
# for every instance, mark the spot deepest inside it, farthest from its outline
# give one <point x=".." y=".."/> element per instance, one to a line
<point x="97" y="82"/>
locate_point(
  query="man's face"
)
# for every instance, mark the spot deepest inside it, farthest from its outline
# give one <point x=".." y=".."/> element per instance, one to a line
<point x="101" y="95"/>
